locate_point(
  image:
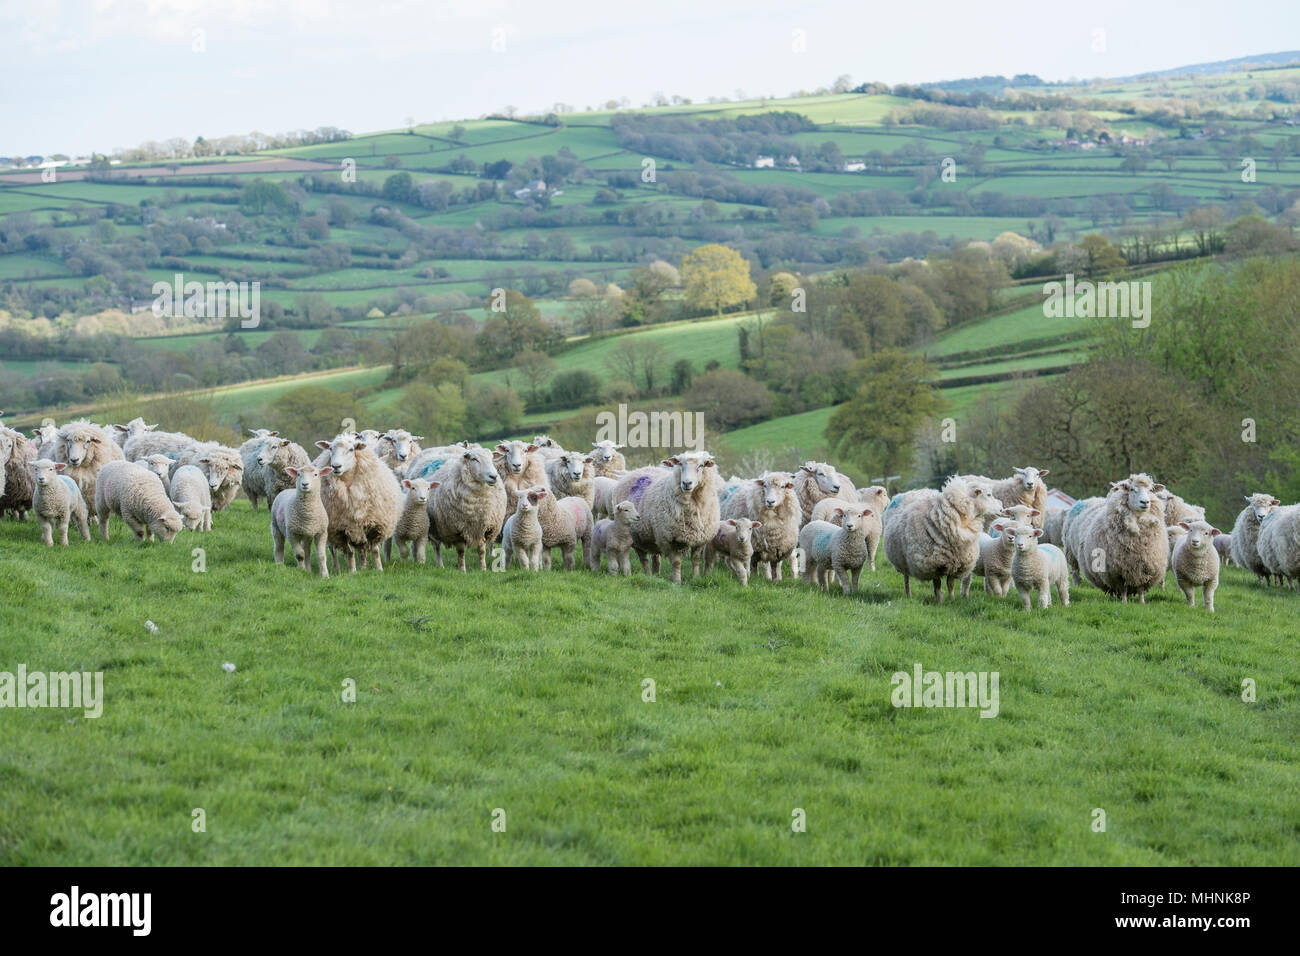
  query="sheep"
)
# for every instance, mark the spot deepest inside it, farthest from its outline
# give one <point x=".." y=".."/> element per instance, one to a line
<point x="572" y="473"/>
<point x="609" y="461"/>
<point x="548" y="447"/>
<point x="362" y="499"/>
<point x="1223" y="544"/>
<point x="935" y="534"/>
<point x="396" y="447"/>
<point x="815" y="480"/>
<point x="1196" y="562"/>
<point x="17" y="481"/>
<point x="565" y="522"/>
<point x="57" y="501"/>
<point x="734" y="543"/>
<point x="191" y="496"/>
<point x="1177" y="510"/>
<point x="876" y="498"/>
<point x="1016" y="514"/>
<point x="85" y="449"/>
<point x="298" y="515"/>
<point x="248" y="452"/>
<point x="160" y="465"/>
<point x="1174" y="534"/>
<point x="137" y="496"/>
<point x="1073" y="526"/>
<point x="123" y="433"/>
<point x="679" y="508"/>
<point x="44" y="437"/>
<point x="413" y="523"/>
<point x="1279" y="544"/>
<point x="994" y="562"/>
<point x="842" y="549"/>
<point x="155" y="443"/>
<point x="1037" y="566"/>
<point x="426" y="462"/>
<point x="520" y="466"/>
<point x="1052" y="523"/>
<point x="602" y="492"/>
<point x="223" y="467"/>
<point x="1124" y="548"/>
<point x="522" y="534"/>
<point x="1245" y="534"/>
<point x="1024" y="487"/>
<point x="266" y="473"/>
<point x="771" y="500"/>
<point x="612" y="537"/>
<point x="468" y="508"/>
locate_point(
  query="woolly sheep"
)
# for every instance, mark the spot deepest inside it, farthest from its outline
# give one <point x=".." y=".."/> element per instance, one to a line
<point x="266" y="473"/>
<point x="1279" y="544"/>
<point x="57" y="502"/>
<point x="842" y="549"/>
<point x="609" y="461"/>
<point x="1245" y="534"/>
<point x="298" y="516"/>
<point x="1196" y="563"/>
<point x="468" y="508"/>
<point x="602" y="492"/>
<point x="1177" y="510"/>
<point x="123" y="433"/>
<point x="1124" y="548"/>
<point x="994" y="562"/>
<point x="679" y="508"/>
<point x="426" y="462"/>
<point x="522" y="534"/>
<point x="191" y="497"/>
<point x="248" y="452"/>
<point x="44" y="437"/>
<point x="1174" y="534"/>
<point x="876" y="498"/>
<point x="734" y="543"/>
<point x="17" y="480"/>
<point x="85" y="449"/>
<point x="520" y="466"/>
<point x="361" y="496"/>
<point x="612" y="537"/>
<point x="223" y="468"/>
<point x="413" y="523"/>
<point x="1015" y="514"/>
<point x="1038" y="567"/>
<point x="935" y="534"/>
<point x="772" y="501"/>
<point x="548" y="447"/>
<point x="136" y="495"/>
<point x="1223" y="544"/>
<point x="572" y="474"/>
<point x="815" y="480"/>
<point x="1024" y="487"/>
<point x="1052" y="523"/>
<point x="156" y="443"/>
<point x="1073" y="526"/>
<point x="396" y="447"/>
<point x="160" y="465"/>
<point x="565" y="522"/>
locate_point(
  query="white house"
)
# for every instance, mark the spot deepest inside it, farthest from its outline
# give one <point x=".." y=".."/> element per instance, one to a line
<point x="764" y="162"/>
<point x="854" y="167"/>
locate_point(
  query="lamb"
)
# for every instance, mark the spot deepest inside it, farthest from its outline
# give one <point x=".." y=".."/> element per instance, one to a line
<point x="266" y="473"/>
<point x="994" y="562"/>
<point x="734" y="543"/>
<point x="840" y="549"/>
<point x="361" y="496"/>
<point x="396" y="447"/>
<point x="876" y="498"/>
<point x="613" y="538"/>
<point x="298" y="516"/>
<point x="413" y="523"/>
<point x="1177" y="510"/>
<point x="160" y="465"/>
<point x="57" y="502"/>
<point x="935" y="534"/>
<point x="1124" y="540"/>
<point x="248" y="453"/>
<point x="772" y="501"/>
<point x="1245" y="534"/>
<point x="548" y="447"/>
<point x="44" y="437"/>
<point x="1024" y="487"/>
<point x="565" y="522"/>
<point x="679" y="508"/>
<point x="816" y="480"/>
<point x="520" y="466"/>
<point x="609" y="461"/>
<point x="222" y="465"/>
<point x="86" y="449"/>
<point x="1016" y="514"/>
<point x="572" y="474"/>
<point x="1196" y="563"/>
<point x="17" y="480"/>
<point x="1038" y="566"/>
<point x="1279" y="544"/>
<point x="136" y="495"/>
<point x="123" y="433"/>
<point x="602" y="491"/>
<point x="1223" y="544"/>
<point x="155" y="443"/>
<point x="468" y="508"/>
<point x="522" y="534"/>
<point x="192" y="497"/>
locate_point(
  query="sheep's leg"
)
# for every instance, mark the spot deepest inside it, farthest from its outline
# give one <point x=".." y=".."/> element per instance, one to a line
<point x="1188" y="593"/>
<point x="140" y="531"/>
<point x="102" y="518"/>
<point x="388" y="549"/>
<point x="853" y="577"/>
<point x="767" y="569"/>
<point x="322" y="558"/>
<point x="1063" y="590"/>
<point x="871" y="553"/>
<point x="951" y="581"/>
<point x="374" y="553"/>
<point x="965" y="586"/>
<point x="418" y="549"/>
<point x="907" y="585"/>
<point x="566" y="552"/>
<point x="352" y="560"/>
<point x="657" y="562"/>
<point x="776" y="569"/>
<point x="938" y="589"/>
<point x="625" y="562"/>
<point x="676" y="559"/>
<point x="277" y="541"/>
<point x="810" y="574"/>
<point x="483" y="553"/>
<point x="47" y="533"/>
<point x="1044" y="593"/>
<point x="697" y="554"/>
<point x="1207" y="596"/>
<point x="63" y="532"/>
<point x="460" y="557"/>
<point x="1142" y="597"/>
<point x="1024" y="598"/>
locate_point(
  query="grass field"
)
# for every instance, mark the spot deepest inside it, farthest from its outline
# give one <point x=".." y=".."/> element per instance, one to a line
<point x="766" y="700"/>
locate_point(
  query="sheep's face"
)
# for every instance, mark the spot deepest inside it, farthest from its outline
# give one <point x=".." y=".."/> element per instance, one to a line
<point x="219" y="470"/>
<point x="625" y="513"/>
<point x="776" y="487"/>
<point x="166" y="527"/>
<point x="544" y="441"/>
<point x="307" y="478"/>
<point x="1140" y="495"/>
<point x="1026" y="538"/>
<point x="262" y="433"/>
<point x="343" y="451"/>
<point x="270" y="448"/>
<point x="47" y="471"/>
<point x="985" y="504"/>
<point x="850" y="519"/>
<point x="877" y="497"/>
<point x="369" y="436"/>
<point x="417" y="490"/>
<point x="515" y="455"/>
<point x="1262" y="505"/>
<point x="574" y="464"/>
<point x="531" y="499"/>
<point x="604" y="451"/>
<point x="478" y="466"/>
<point x="828" y="480"/>
<point x="159" y="465"/>
<point x="401" y="441"/>
<point x="689" y="468"/>
<point x="743" y="531"/>
<point x="79" y="444"/>
<point x="1020" y="514"/>
<point x="6" y="448"/>
<point x="1200" y="534"/>
<point x="191" y="515"/>
<point x="1031" y="477"/>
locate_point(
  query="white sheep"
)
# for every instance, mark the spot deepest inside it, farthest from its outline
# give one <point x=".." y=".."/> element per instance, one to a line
<point x="679" y="508"/>
<point x="137" y="496"/>
<point x="841" y="549"/>
<point x="222" y="466"/>
<point x="1245" y="534"/>
<point x="1024" y="487"/>
<point x="609" y="461"/>
<point x="57" y="502"/>
<point x="1124" y="548"/>
<point x="935" y="534"/>
<point x="734" y="544"/>
<point x="362" y="499"/>
<point x="612" y="537"/>
<point x="876" y="498"/>
<point x="1279" y="544"/>
<point x="1038" y="567"/>
<point x="191" y="496"/>
<point x="1073" y="525"/>
<point x="396" y="447"/>
<point x="147" y="443"/>
<point x="602" y="491"/>
<point x="85" y="449"/>
<point x="565" y="522"/>
<point x="298" y="516"/>
<point x="17" y="481"/>
<point x="815" y="480"/>
<point x="266" y="472"/>
<point x="1196" y="563"/>
<point x="160" y="465"/>
<point x="468" y="508"/>
<point x="772" y="501"/>
<point x="996" y="553"/>
<point x="413" y="523"/>
<point x="572" y="474"/>
<point x="1223" y="545"/>
<point x="520" y="466"/>
<point x="1177" y="510"/>
<point x="1052" y="526"/>
<point x="522" y="534"/>
<point x="548" y="447"/>
<point x="136" y="426"/>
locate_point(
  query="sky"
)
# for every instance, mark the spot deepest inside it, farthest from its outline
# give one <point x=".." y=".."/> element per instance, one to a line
<point x="82" y="75"/>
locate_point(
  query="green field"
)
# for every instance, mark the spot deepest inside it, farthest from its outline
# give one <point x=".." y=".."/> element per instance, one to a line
<point x="767" y="700"/>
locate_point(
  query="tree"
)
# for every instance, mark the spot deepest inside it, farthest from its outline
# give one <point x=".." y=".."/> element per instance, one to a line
<point x="715" y="277"/>
<point x="1103" y="258"/>
<point x="435" y="411"/>
<point x="536" y="368"/>
<point x="400" y="187"/>
<point x="312" y="412"/>
<point x="876" y="428"/>
<point x="728" y="399"/>
<point x="638" y="362"/>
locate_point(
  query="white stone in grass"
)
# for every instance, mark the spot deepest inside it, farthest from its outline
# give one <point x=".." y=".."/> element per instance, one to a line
<point x="228" y="667"/>
<point x="151" y="627"/>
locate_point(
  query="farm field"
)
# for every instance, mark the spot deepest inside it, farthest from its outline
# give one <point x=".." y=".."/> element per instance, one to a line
<point x="766" y="700"/>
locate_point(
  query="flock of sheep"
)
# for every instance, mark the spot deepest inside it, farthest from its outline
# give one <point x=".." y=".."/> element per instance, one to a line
<point x="368" y="491"/>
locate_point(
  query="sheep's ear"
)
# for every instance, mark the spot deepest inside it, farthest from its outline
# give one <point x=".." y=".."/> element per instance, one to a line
<point x="434" y="484"/>
<point x="867" y="512"/>
<point x="709" y="463"/>
<point x="406" y="483"/>
<point x="667" y="462"/>
<point x="1157" y="487"/>
<point x="60" y="466"/>
<point x="272" y="435"/>
<point x="327" y="470"/>
<point x="1185" y="526"/>
<point x="323" y="444"/>
<point x="999" y="527"/>
<point x="205" y="460"/>
<point x="417" y="438"/>
<point x="588" y="460"/>
<point x="838" y="512"/>
<point x="733" y="522"/>
<point x="467" y="456"/>
<point x="1215" y="531"/>
<point x="542" y="493"/>
<point x="36" y="433"/>
<point x="807" y="469"/>
<point x="530" y="448"/>
<point x="291" y="472"/>
<point x="1275" y="502"/>
<point x="1038" y="532"/>
<point x="977" y="492"/>
<point x="1247" y="497"/>
<point x="359" y="446"/>
<point x="1044" y="471"/>
<point x="760" y="482"/>
<point x="755" y="525"/>
<point x="595" y="444"/>
<point x="121" y="428"/>
<point x="789" y="484"/>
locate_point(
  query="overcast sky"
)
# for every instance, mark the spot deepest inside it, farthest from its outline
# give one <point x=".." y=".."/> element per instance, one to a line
<point x="77" y="75"/>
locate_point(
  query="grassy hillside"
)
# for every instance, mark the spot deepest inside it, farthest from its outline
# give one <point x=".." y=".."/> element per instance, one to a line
<point x="767" y="700"/>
